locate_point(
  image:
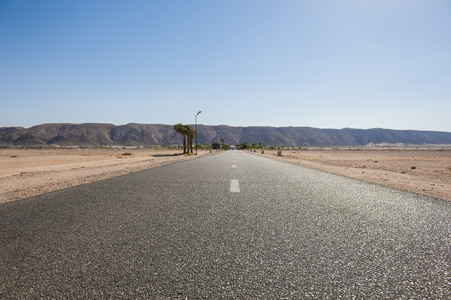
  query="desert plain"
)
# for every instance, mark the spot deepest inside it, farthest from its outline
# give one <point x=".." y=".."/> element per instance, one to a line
<point x="29" y="172"/>
<point x="417" y="170"/>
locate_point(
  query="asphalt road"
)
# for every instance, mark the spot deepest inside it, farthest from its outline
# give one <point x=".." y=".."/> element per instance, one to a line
<point x="232" y="225"/>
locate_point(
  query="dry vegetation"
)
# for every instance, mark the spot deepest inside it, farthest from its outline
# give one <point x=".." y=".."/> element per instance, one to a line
<point x="421" y="171"/>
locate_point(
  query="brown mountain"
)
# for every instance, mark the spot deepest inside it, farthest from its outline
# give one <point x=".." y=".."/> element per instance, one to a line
<point x="94" y="134"/>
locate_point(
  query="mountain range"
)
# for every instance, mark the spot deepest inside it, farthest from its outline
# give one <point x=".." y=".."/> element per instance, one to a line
<point x="104" y="135"/>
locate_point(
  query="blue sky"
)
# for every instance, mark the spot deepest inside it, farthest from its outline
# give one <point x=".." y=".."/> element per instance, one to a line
<point x="326" y="64"/>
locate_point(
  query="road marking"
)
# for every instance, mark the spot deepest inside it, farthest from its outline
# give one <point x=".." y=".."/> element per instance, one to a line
<point x="233" y="166"/>
<point x="234" y="186"/>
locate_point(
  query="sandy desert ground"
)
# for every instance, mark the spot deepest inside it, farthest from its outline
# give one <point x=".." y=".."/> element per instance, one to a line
<point x="426" y="172"/>
<point x="25" y="173"/>
<point x="29" y="172"/>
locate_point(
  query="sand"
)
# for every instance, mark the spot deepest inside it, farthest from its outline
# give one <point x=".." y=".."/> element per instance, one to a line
<point x="29" y="172"/>
<point x="425" y="172"/>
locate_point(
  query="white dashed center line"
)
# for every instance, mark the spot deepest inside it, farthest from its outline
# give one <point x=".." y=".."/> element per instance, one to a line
<point x="233" y="166"/>
<point x="234" y="186"/>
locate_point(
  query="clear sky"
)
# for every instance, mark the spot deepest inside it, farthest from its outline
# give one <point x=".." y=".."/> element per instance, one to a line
<point x="326" y="64"/>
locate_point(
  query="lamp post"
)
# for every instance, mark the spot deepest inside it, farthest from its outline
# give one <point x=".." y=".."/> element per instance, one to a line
<point x="196" y="128"/>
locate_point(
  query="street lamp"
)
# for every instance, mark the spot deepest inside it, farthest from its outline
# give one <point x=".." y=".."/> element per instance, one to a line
<point x="196" y="128"/>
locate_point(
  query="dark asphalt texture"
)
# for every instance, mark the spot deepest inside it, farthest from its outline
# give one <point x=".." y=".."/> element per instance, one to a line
<point x="177" y="232"/>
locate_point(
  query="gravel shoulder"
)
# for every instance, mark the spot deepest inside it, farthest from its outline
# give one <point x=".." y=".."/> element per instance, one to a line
<point x="30" y="172"/>
<point x="425" y="172"/>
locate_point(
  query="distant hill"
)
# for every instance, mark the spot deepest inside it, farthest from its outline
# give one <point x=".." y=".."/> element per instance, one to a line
<point x="95" y="135"/>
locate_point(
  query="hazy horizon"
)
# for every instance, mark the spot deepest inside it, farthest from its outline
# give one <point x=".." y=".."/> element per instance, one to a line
<point x="213" y="125"/>
<point x="322" y="64"/>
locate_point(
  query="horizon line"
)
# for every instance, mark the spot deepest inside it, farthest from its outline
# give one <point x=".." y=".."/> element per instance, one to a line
<point x="219" y="125"/>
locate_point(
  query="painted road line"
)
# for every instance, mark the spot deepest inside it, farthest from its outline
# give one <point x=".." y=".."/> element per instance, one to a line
<point x="233" y="166"/>
<point x="234" y="186"/>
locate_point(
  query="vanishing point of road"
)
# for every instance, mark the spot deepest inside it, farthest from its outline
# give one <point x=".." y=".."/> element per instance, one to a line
<point x="231" y="225"/>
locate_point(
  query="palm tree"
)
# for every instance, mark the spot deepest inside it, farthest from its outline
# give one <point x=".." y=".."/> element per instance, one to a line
<point x="191" y="134"/>
<point x="180" y="128"/>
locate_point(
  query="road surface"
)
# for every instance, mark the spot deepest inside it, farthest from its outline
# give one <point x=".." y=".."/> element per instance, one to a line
<point x="232" y="225"/>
